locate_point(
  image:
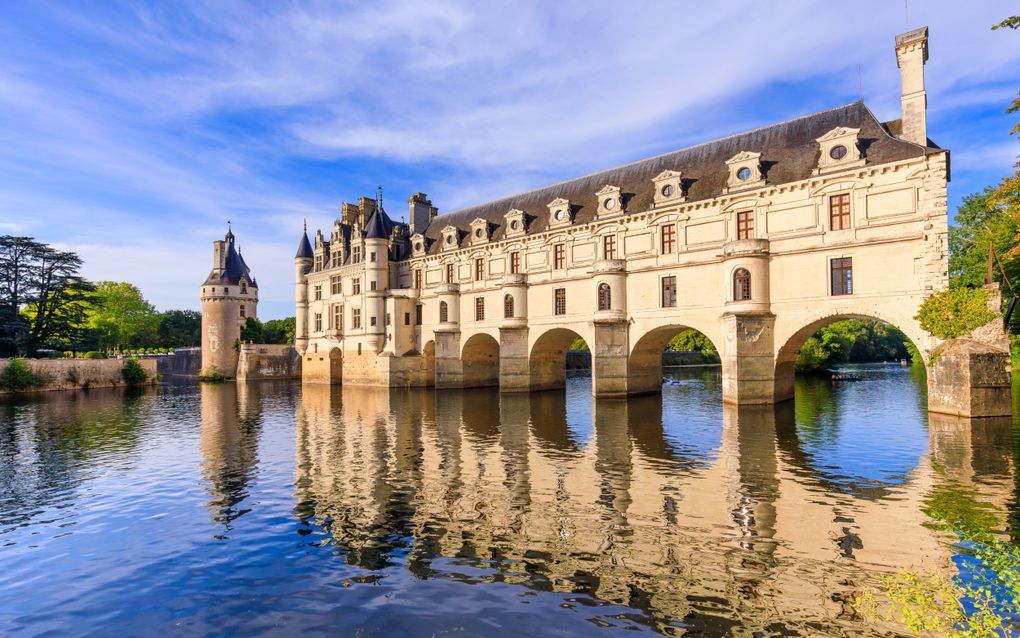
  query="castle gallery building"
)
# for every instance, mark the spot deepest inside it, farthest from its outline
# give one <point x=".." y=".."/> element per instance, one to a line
<point x="756" y="240"/>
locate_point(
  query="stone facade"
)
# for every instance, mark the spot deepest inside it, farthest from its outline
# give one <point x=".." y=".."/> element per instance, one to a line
<point x="756" y="240"/>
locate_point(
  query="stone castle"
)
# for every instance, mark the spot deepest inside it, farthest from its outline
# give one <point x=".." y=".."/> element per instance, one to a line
<point x="229" y="296"/>
<point x="756" y="240"/>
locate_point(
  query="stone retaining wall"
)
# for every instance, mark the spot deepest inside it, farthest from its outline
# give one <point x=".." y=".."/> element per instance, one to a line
<point x="265" y="361"/>
<point x="75" y="374"/>
<point x="184" y="362"/>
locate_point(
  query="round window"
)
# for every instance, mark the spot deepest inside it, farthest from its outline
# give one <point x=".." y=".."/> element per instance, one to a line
<point x="667" y="190"/>
<point x="744" y="174"/>
<point x="449" y="239"/>
<point x="514" y="225"/>
<point x="560" y="214"/>
<point x="478" y="232"/>
<point x="418" y="246"/>
<point x="837" y="152"/>
<point x="609" y="204"/>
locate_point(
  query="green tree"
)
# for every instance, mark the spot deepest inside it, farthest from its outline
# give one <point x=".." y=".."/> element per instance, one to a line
<point x="979" y="224"/>
<point x="1007" y="194"/>
<point x="251" y="331"/>
<point x="691" y="340"/>
<point x="280" y="331"/>
<point x="180" y="329"/>
<point x="43" y="297"/>
<point x="122" y="317"/>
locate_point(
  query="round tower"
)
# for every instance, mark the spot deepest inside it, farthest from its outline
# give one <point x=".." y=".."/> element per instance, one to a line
<point x="302" y="264"/>
<point x="377" y="253"/>
<point x="229" y="296"/>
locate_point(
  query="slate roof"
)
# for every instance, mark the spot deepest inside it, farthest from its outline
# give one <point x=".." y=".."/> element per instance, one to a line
<point x="379" y="226"/>
<point x="235" y="270"/>
<point x="788" y="150"/>
<point x="304" y="248"/>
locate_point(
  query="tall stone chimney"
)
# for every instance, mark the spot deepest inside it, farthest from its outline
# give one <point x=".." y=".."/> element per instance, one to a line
<point x="422" y="212"/>
<point x="911" y="54"/>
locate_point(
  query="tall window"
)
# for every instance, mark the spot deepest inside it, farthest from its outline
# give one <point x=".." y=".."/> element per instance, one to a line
<point x="318" y="292"/>
<point x="242" y="311"/>
<point x="318" y="322"/>
<point x="407" y="318"/>
<point x="338" y="318"/>
<point x="418" y="314"/>
<point x="605" y="297"/>
<point x="609" y="247"/>
<point x="560" y="301"/>
<point x="668" y="239"/>
<point x="515" y="262"/>
<point x="371" y="257"/>
<point x="559" y="256"/>
<point x="444" y="312"/>
<point x="417" y="278"/>
<point x="244" y="288"/>
<point x="669" y="292"/>
<point x="839" y="212"/>
<point x="356" y="255"/>
<point x="318" y="262"/>
<point x="842" y="276"/>
<point x="337" y="258"/>
<point x="335" y="284"/>
<point x="741" y="285"/>
<point x="356" y="318"/>
<point x="372" y="285"/>
<point x="508" y="306"/>
<point x="479" y="308"/>
<point x="479" y="269"/>
<point x="449" y="273"/>
<point x="356" y="286"/>
<point x="745" y="224"/>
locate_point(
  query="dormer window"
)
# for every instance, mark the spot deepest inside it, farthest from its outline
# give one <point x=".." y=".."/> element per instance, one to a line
<point x="450" y="237"/>
<point x="668" y="188"/>
<point x="418" y="245"/>
<point x="561" y="213"/>
<point x="610" y="201"/>
<point x="839" y="149"/>
<point x="516" y="222"/>
<point x="745" y="171"/>
<point x="479" y="231"/>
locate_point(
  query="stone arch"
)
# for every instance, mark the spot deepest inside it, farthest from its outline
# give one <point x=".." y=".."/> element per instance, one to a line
<point x="480" y="359"/>
<point x="788" y="345"/>
<point x="644" y="365"/>
<point x="547" y="362"/>
<point x="336" y="366"/>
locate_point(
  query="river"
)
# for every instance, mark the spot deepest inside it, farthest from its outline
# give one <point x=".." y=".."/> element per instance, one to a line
<point x="277" y="509"/>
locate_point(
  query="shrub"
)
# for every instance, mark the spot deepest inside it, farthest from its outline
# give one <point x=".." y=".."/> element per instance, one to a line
<point x="212" y="375"/>
<point x="955" y="312"/>
<point x="94" y="354"/>
<point x="18" y="376"/>
<point x="72" y="375"/>
<point x="133" y="372"/>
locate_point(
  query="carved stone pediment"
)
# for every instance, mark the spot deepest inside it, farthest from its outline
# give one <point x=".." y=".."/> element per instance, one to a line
<point x="561" y="213"/>
<point x="668" y="188"/>
<point x="610" y="201"/>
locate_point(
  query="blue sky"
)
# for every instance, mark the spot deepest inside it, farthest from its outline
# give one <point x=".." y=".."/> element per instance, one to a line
<point x="131" y="132"/>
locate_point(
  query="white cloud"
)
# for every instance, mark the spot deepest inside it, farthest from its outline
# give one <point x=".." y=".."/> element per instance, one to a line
<point x="134" y="132"/>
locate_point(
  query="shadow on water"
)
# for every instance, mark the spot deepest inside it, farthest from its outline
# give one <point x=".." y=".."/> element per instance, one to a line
<point x="347" y="510"/>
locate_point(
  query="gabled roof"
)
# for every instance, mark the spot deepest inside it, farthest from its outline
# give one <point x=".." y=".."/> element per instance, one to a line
<point x="789" y="153"/>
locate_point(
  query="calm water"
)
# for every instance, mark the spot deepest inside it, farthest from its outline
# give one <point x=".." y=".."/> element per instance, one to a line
<point x="275" y="509"/>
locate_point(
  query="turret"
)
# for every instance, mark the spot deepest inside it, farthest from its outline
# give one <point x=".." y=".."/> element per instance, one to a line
<point x="229" y="296"/>
<point x="302" y="264"/>
<point x="911" y="54"/>
<point x="377" y="234"/>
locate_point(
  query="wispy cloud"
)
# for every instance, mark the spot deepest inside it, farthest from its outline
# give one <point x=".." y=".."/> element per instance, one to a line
<point x="134" y="131"/>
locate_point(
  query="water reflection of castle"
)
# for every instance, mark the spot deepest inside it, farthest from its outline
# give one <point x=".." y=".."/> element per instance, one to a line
<point x="505" y="484"/>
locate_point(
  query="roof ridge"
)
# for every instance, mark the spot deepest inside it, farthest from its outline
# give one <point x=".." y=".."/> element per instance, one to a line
<point x="661" y="155"/>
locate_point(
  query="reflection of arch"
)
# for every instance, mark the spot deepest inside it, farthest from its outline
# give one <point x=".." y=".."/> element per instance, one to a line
<point x="336" y="366"/>
<point x="741" y="284"/>
<point x="480" y="358"/>
<point x="644" y="366"/>
<point x="786" y="355"/>
<point x="605" y="297"/>
<point x="548" y="361"/>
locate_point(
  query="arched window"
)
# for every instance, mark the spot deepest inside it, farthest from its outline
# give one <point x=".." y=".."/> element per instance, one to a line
<point x="508" y="306"/>
<point x="741" y="285"/>
<point x="605" y="297"/>
<point x="444" y="312"/>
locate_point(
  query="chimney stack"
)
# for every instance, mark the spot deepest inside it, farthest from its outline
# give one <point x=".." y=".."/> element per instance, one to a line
<point x="911" y="54"/>
<point x="422" y="212"/>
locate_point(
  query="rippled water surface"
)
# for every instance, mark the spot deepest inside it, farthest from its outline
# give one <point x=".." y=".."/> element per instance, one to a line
<point x="280" y="509"/>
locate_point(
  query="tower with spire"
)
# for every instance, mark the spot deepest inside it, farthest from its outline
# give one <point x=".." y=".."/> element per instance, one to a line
<point x="229" y="296"/>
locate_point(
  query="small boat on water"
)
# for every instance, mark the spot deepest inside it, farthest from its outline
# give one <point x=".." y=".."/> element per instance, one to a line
<point x="840" y="377"/>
